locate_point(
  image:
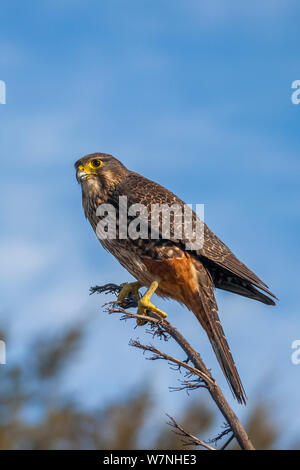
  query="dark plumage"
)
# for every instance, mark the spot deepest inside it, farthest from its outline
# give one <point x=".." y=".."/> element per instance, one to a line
<point x="187" y="276"/>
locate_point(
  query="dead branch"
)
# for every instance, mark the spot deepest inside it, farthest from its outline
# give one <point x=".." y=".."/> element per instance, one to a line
<point x="164" y="329"/>
<point x="189" y="439"/>
<point x="161" y="355"/>
<point x="227" y="442"/>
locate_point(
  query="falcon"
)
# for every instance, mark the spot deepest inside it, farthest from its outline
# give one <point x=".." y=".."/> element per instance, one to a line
<point x="164" y="265"/>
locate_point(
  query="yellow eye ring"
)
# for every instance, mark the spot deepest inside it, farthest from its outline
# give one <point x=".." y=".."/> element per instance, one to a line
<point x="95" y="164"/>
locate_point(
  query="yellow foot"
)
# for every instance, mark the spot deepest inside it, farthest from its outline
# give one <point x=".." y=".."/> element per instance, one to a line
<point x="144" y="305"/>
<point x="129" y="288"/>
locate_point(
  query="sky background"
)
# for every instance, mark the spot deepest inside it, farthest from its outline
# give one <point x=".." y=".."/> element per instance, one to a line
<point x="194" y="95"/>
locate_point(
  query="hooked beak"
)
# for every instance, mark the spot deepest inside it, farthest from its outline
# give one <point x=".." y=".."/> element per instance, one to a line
<point x="81" y="175"/>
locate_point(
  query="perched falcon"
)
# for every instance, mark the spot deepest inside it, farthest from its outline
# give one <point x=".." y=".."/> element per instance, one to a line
<point x="165" y="265"/>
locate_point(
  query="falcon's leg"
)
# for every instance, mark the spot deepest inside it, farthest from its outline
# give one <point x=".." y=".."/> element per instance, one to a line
<point x="145" y="304"/>
<point x="129" y="288"/>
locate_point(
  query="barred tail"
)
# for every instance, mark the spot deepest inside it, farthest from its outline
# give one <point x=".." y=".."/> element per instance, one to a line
<point x="204" y="306"/>
<point x="225" y="359"/>
<point x="207" y="314"/>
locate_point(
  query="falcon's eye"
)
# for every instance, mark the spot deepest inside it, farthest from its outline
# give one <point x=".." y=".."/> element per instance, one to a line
<point x="96" y="164"/>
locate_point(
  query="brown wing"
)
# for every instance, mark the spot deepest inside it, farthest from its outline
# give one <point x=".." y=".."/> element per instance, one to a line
<point x="227" y="271"/>
<point x="223" y="264"/>
<point x="215" y="250"/>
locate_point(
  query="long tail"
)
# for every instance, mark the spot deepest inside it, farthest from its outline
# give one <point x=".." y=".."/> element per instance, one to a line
<point x="206" y="310"/>
<point x="225" y="359"/>
<point x="222" y="351"/>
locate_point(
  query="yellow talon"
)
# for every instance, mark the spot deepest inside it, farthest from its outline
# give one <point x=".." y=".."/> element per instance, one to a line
<point x="144" y="304"/>
<point x="129" y="288"/>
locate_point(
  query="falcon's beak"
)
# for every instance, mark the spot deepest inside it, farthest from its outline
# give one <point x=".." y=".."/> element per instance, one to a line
<point x="81" y="175"/>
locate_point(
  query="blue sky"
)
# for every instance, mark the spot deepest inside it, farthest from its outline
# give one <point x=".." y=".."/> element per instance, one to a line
<point x="195" y="95"/>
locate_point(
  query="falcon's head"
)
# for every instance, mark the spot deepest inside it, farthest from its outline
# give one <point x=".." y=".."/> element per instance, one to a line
<point x="99" y="170"/>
